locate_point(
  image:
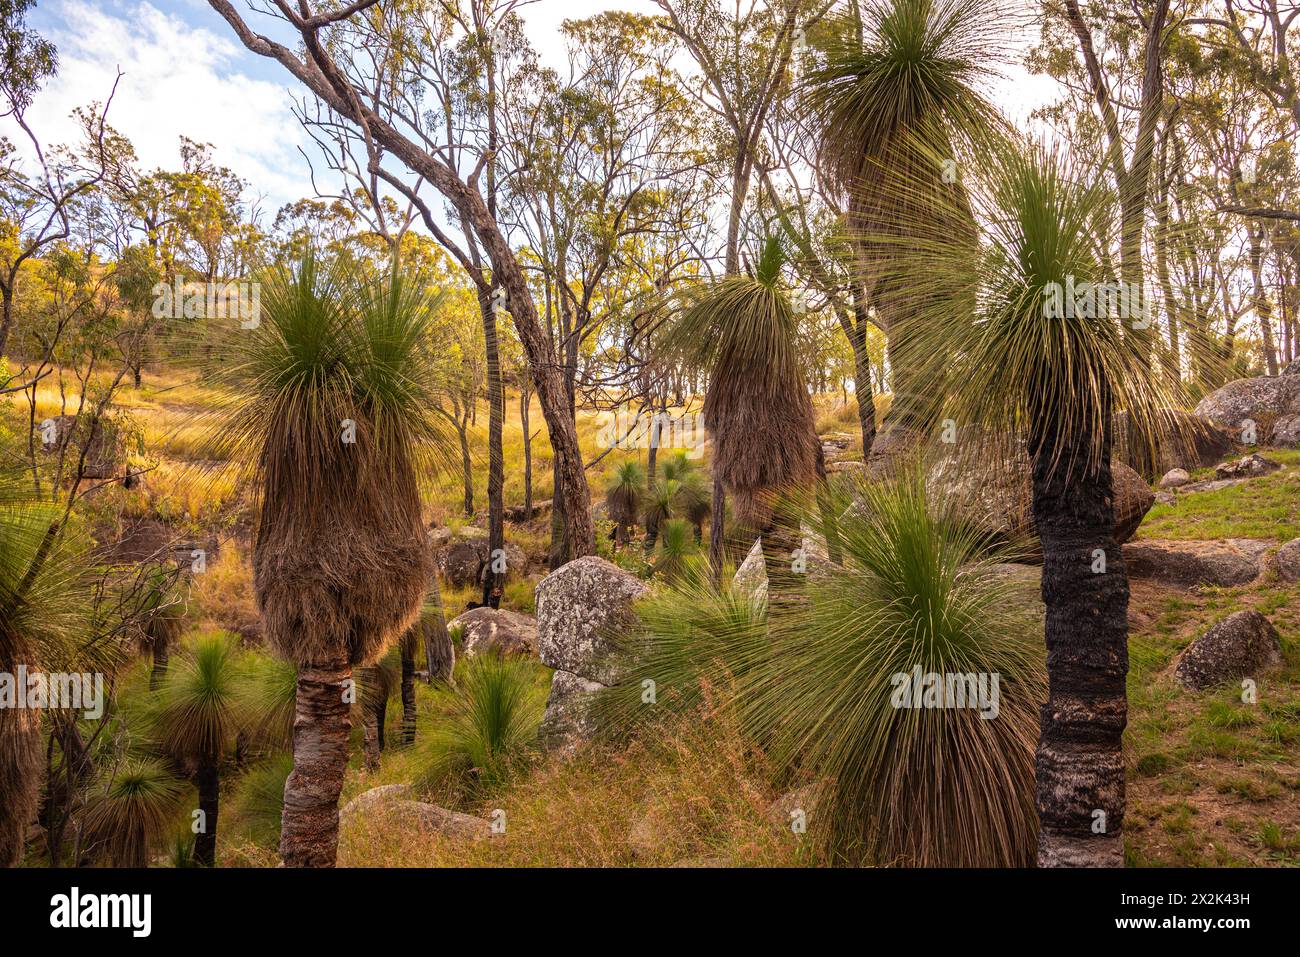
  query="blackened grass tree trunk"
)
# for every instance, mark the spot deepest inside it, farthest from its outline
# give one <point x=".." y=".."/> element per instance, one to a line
<point x="1080" y="761"/>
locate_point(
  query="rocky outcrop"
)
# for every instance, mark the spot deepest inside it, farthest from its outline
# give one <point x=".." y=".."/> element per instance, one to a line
<point x="583" y="609"/>
<point x="1265" y="405"/>
<point x="396" y="800"/>
<point x="491" y="629"/>
<point x="568" y="716"/>
<point x="1187" y="564"/>
<point x="1240" y="646"/>
<point x="375" y="797"/>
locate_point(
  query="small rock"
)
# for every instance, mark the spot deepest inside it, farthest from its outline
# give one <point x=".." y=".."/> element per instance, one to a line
<point x="1287" y="561"/>
<point x="486" y="629"/>
<point x="1175" y="478"/>
<point x="1166" y="498"/>
<point x="1239" y="646"/>
<point x="801" y="802"/>
<point x="1248" y="466"/>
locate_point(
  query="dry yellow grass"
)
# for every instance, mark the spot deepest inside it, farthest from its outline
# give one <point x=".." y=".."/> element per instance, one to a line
<point x="694" y="795"/>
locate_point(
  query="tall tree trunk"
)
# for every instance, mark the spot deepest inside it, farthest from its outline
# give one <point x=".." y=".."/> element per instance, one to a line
<point x="20" y="775"/>
<point x="407" y="649"/>
<point x="208" y="780"/>
<point x="6" y="313"/>
<point x="466" y="469"/>
<point x="717" y="530"/>
<point x="1079" y="762"/>
<point x="493" y="580"/>
<point x="1263" y="306"/>
<point x="525" y="400"/>
<point x="559" y="526"/>
<point x="309" y="833"/>
<point x="371" y="706"/>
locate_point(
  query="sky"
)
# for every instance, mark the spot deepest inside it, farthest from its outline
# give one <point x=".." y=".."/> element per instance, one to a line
<point x="184" y="73"/>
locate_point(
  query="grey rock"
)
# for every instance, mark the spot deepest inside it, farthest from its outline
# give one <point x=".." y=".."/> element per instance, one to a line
<point x="997" y="498"/>
<point x="1184" y="440"/>
<point x="582" y="608"/>
<point x="1187" y="564"/>
<point x="1239" y="646"/>
<point x="1261" y="400"/>
<point x="1175" y="478"/>
<point x="466" y="562"/>
<point x="486" y="629"/>
<point x="1286" y="432"/>
<point x="430" y="817"/>
<point x="568" y="718"/>
<point x="1166" y="498"/>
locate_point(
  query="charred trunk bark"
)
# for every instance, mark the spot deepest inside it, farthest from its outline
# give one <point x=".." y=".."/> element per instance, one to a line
<point x="1079" y="762"/>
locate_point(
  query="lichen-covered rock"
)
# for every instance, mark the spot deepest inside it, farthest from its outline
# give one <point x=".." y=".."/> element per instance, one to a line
<point x="568" y="717"/>
<point x="490" y="629"/>
<point x="430" y="817"/>
<point x="1255" y="405"/>
<point x="1240" y="646"/>
<point x="1175" y="478"/>
<point x="1233" y="561"/>
<point x="1287" y="561"/>
<point x="582" y="608"/>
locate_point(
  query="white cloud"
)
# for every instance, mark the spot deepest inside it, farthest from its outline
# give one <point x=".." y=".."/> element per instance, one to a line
<point x="178" y="79"/>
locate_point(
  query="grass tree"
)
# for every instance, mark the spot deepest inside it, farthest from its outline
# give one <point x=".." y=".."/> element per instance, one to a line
<point x="333" y="400"/>
<point x="45" y="621"/>
<point x="693" y="495"/>
<point x="132" y="812"/>
<point x="757" y="408"/>
<point x="895" y="95"/>
<point x="194" y="717"/>
<point x="1024" y="365"/>
<point x="623" y="497"/>
<point x="815" y="684"/>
